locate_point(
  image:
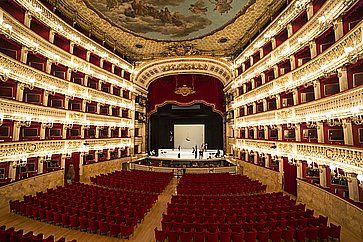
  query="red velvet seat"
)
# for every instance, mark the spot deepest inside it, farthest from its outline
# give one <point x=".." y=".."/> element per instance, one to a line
<point x="225" y="236"/>
<point x="173" y="236"/>
<point x="263" y="235"/>
<point x="323" y="233"/>
<point x="65" y="220"/>
<point x="35" y="212"/>
<point x="237" y="236"/>
<point x="127" y="230"/>
<point x="212" y="236"/>
<point x="49" y="239"/>
<point x="26" y="237"/>
<point x="288" y="234"/>
<point x="334" y="231"/>
<point x="160" y="235"/>
<point x="186" y="236"/>
<point x="250" y="236"/>
<point x="49" y="216"/>
<point x="57" y="218"/>
<point x="103" y="226"/>
<point x="115" y="229"/>
<point x="275" y="235"/>
<point x="312" y="233"/>
<point x="37" y="238"/>
<point x="93" y="225"/>
<point x="300" y="234"/>
<point x="74" y="222"/>
<point x="83" y="223"/>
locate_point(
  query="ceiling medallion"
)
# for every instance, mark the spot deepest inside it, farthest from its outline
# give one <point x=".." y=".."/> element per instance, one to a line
<point x="181" y="50"/>
<point x="184" y="90"/>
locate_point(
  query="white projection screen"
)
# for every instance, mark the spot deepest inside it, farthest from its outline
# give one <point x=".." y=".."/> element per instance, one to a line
<point x="188" y="135"/>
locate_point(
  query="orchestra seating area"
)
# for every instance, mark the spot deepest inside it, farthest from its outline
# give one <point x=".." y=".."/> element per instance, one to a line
<point x="134" y="180"/>
<point x="10" y="235"/>
<point x="88" y="208"/>
<point x="216" y="184"/>
<point x="229" y="215"/>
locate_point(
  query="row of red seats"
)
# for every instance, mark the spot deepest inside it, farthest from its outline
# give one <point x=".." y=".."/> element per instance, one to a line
<point x="268" y="216"/>
<point x="218" y="184"/>
<point x="10" y="235"/>
<point x="299" y="234"/>
<point x="135" y="180"/>
<point x="96" y="210"/>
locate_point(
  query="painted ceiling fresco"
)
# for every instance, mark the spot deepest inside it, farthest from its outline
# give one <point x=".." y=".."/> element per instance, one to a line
<point x="170" y="20"/>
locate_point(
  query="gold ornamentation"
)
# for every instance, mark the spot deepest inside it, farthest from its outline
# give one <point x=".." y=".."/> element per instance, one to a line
<point x="184" y="90"/>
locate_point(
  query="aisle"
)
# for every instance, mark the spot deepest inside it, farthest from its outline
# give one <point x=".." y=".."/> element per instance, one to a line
<point x="143" y="233"/>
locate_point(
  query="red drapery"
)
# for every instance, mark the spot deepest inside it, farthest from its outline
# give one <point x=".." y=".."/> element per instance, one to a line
<point x="208" y="90"/>
<point x="290" y="175"/>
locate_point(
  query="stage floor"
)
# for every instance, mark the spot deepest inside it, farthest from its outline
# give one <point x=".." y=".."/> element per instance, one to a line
<point x="188" y="154"/>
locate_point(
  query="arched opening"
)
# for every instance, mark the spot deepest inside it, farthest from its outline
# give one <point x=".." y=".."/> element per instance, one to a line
<point x="187" y="105"/>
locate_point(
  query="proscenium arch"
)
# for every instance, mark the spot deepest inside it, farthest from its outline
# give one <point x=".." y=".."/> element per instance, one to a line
<point x="217" y="68"/>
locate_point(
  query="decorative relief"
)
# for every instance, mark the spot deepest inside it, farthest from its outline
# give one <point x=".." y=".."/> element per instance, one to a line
<point x="21" y="72"/>
<point x="209" y="66"/>
<point x="349" y="159"/>
<point x="35" y="42"/>
<point x="333" y="58"/>
<point x="17" y="150"/>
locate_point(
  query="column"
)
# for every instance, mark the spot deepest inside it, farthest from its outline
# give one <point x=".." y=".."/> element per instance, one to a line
<point x="113" y="68"/>
<point x="51" y="36"/>
<point x="48" y="66"/>
<point x="317" y="89"/>
<point x="100" y="85"/>
<point x="320" y="131"/>
<point x="43" y="128"/>
<point x="281" y="164"/>
<point x="20" y="91"/>
<point x="265" y="104"/>
<point x="68" y="74"/>
<point x="111" y="87"/>
<point x="261" y="53"/>
<point x="254" y="107"/>
<point x="12" y="171"/>
<point x="297" y="132"/>
<point x="292" y="62"/>
<point x="255" y="132"/>
<point x="348" y="131"/>
<point x="16" y="130"/>
<point x="27" y="19"/>
<point x="323" y="176"/>
<point x="253" y="84"/>
<point x="263" y="78"/>
<point x="109" y="132"/>
<point x="343" y="78"/>
<point x="97" y="135"/>
<point x="83" y="129"/>
<point x="98" y="108"/>
<point x="108" y="154"/>
<point x="23" y="54"/>
<point x="255" y="158"/>
<point x="310" y="10"/>
<point x="41" y="161"/>
<point x="84" y="105"/>
<point x="338" y="28"/>
<point x="299" y="169"/>
<point x="289" y="30"/>
<point x="251" y="60"/>
<point x="353" y="187"/>
<point x="63" y="161"/>
<point x="265" y="130"/>
<point x="101" y="62"/>
<point x="88" y="55"/>
<point x="279" y="131"/>
<point x="267" y="160"/>
<point x="64" y="131"/>
<point x="244" y="87"/>
<point x="276" y="71"/>
<point x="66" y="102"/>
<point x="278" y="101"/>
<point x="96" y="155"/>
<point x="85" y="80"/>
<point x="45" y="98"/>
<point x="110" y="110"/>
<point x="71" y="47"/>
<point x="273" y="43"/>
<point x="81" y="159"/>
<point x="295" y="96"/>
<point x="313" y="50"/>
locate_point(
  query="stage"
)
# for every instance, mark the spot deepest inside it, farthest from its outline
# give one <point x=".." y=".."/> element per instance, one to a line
<point x="187" y="154"/>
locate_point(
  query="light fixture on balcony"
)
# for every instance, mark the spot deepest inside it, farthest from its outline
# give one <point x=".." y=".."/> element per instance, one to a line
<point x="311" y="124"/>
<point x="1" y="119"/>
<point x="22" y="162"/>
<point x="352" y="54"/>
<point x="334" y="122"/>
<point x="4" y="74"/>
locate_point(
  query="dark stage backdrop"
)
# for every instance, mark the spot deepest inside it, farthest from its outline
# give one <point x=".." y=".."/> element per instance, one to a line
<point x="162" y="122"/>
<point x="208" y="90"/>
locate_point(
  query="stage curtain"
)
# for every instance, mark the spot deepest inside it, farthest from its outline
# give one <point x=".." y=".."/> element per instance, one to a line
<point x="208" y="90"/>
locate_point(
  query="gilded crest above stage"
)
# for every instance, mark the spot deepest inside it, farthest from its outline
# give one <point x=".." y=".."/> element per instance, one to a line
<point x="170" y="19"/>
